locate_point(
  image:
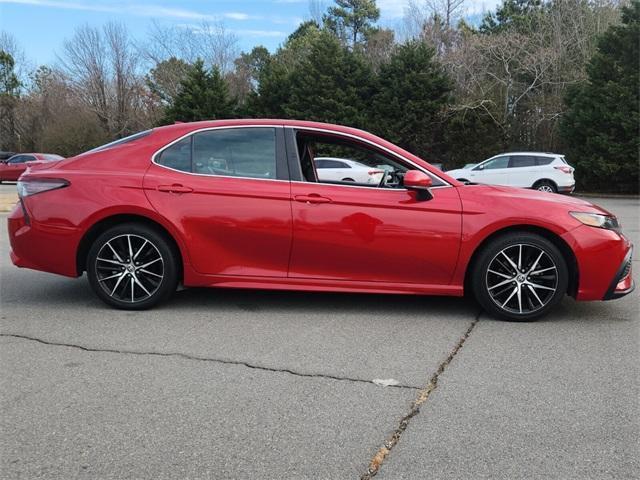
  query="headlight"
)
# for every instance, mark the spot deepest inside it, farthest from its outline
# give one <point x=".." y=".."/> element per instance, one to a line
<point x="597" y="220"/>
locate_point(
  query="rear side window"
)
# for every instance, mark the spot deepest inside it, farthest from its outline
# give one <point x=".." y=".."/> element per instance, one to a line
<point x="121" y="141"/>
<point x="500" y="162"/>
<point x="236" y="152"/>
<point x="544" y="160"/>
<point x="522" y="161"/>
<point x="21" y="159"/>
<point x="177" y="156"/>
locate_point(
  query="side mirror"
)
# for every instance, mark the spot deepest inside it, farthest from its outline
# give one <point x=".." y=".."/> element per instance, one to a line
<point x="420" y="182"/>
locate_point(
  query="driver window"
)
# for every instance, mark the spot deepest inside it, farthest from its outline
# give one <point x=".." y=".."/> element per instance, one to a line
<point x="327" y="159"/>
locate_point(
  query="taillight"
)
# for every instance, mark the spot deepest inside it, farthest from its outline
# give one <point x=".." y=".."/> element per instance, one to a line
<point x="564" y="169"/>
<point x="375" y="172"/>
<point x="28" y="187"/>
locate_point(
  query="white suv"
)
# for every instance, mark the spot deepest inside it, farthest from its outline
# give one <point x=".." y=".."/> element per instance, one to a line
<point x="547" y="172"/>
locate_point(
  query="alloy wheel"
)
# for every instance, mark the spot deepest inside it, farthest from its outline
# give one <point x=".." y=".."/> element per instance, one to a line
<point x="129" y="268"/>
<point x="545" y="188"/>
<point x="522" y="279"/>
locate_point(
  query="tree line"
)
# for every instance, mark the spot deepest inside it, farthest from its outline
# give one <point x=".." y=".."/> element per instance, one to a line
<point x="554" y="75"/>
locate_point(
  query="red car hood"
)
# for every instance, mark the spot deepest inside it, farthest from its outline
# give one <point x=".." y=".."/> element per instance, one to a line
<point x="571" y="203"/>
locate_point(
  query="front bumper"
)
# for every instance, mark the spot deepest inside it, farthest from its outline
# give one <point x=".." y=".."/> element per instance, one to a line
<point x="622" y="284"/>
<point x="566" y="189"/>
<point x="601" y="258"/>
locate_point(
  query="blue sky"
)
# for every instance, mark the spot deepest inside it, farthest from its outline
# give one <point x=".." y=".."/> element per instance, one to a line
<point x="40" y="26"/>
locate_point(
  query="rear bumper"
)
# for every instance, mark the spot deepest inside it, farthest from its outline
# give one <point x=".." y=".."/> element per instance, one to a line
<point x="622" y="284"/>
<point x="49" y="248"/>
<point x="567" y="189"/>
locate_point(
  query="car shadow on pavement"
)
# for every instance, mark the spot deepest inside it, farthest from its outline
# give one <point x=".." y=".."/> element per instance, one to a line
<point x="269" y="300"/>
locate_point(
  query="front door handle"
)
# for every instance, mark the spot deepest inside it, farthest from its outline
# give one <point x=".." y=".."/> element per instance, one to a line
<point x="312" y="198"/>
<point x="175" y="188"/>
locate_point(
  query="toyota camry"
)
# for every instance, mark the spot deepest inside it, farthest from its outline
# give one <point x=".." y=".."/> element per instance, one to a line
<point x="239" y="203"/>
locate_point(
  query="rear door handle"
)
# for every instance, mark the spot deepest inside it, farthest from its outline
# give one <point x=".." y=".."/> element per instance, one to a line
<point x="312" y="198"/>
<point x="175" y="188"/>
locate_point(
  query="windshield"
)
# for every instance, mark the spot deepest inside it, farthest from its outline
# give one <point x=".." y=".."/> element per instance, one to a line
<point x="120" y="141"/>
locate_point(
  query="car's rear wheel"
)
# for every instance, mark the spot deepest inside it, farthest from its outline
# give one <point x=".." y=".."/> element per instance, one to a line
<point x="519" y="276"/>
<point x="545" y="186"/>
<point x="132" y="266"/>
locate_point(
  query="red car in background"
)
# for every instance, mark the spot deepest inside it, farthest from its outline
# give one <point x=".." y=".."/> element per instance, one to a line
<point x="238" y="203"/>
<point x="13" y="167"/>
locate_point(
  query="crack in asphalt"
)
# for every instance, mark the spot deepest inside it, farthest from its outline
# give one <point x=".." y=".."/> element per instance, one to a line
<point x="423" y="394"/>
<point x="201" y="359"/>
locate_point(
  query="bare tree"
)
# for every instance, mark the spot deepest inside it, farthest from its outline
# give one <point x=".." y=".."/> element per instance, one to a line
<point x="101" y="65"/>
<point x="449" y="10"/>
<point x="317" y="9"/>
<point x="379" y="47"/>
<point x="209" y="41"/>
<point x="10" y="45"/>
<point x="434" y="21"/>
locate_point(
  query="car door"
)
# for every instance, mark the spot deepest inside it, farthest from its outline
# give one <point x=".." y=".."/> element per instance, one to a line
<point x="370" y="234"/>
<point x="228" y="191"/>
<point x="494" y="171"/>
<point x="523" y="170"/>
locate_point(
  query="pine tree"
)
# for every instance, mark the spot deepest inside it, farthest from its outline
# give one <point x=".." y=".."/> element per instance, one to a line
<point x="332" y="84"/>
<point x="9" y="93"/>
<point x="600" y="126"/>
<point x="203" y="95"/>
<point x="351" y="20"/>
<point x="411" y="92"/>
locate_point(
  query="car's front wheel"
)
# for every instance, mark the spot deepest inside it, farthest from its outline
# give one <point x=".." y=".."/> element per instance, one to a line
<point x="132" y="266"/>
<point x="519" y="276"/>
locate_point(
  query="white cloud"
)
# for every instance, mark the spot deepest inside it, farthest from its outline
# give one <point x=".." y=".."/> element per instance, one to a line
<point x="481" y="6"/>
<point x="390" y="9"/>
<point x="237" y="16"/>
<point x="260" y="33"/>
<point x="127" y="8"/>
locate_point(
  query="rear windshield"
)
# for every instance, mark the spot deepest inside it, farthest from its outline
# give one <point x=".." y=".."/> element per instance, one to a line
<point x="120" y="141"/>
<point x="51" y="157"/>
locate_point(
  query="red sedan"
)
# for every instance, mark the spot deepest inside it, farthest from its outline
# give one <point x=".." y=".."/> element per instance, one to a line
<point x="238" y="203"/>
<point x="13" y="167"/>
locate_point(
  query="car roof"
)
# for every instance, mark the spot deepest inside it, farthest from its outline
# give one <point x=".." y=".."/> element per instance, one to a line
<point x="262" y="121"/>
<point x="539" y="154"/>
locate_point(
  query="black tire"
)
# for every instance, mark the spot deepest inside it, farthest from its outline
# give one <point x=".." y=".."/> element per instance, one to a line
<point x="463" y="180"/>
<point x="545" y="186"/>
<point x="152" y="276"/>
<point x="491" y="268"/>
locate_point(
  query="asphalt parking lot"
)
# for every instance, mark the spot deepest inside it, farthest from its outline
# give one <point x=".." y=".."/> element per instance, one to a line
<point x="253" y="384"/>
